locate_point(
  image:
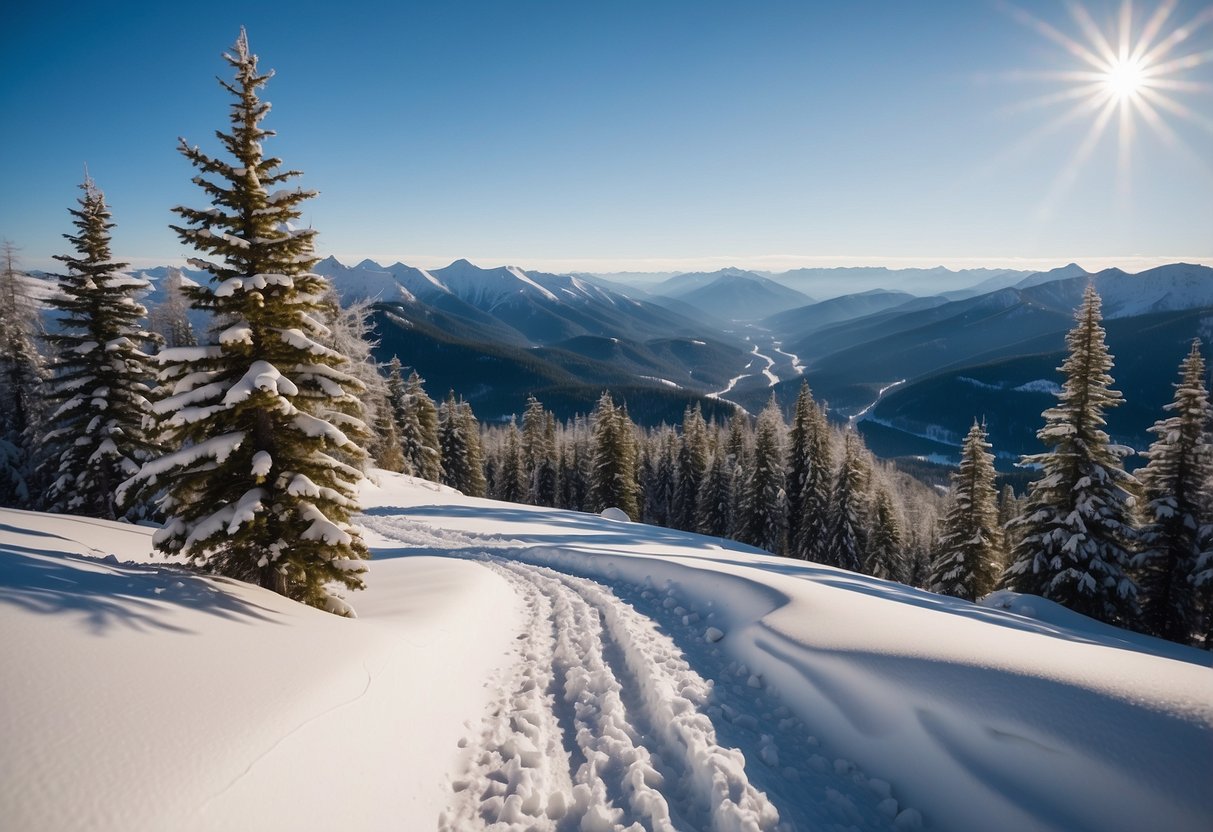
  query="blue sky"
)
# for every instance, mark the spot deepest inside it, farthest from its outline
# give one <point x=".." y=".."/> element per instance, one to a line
<point x="613" y="135"/>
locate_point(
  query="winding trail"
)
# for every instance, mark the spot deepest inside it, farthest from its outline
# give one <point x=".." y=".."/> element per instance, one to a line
<point x="600" y="725"/>
<point x="622" y="711"/>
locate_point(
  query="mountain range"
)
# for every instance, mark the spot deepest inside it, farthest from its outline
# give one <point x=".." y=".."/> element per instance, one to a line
<point x="914" y="368"/>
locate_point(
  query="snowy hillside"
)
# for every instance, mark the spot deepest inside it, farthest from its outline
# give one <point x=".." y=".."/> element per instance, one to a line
<point x="548" y="669"/>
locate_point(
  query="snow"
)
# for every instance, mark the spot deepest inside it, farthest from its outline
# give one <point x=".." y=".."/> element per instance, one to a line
<point x="553" y="669"/>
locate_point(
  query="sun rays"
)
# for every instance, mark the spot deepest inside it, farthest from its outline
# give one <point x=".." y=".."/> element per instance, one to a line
<point x="1127" y="74"/>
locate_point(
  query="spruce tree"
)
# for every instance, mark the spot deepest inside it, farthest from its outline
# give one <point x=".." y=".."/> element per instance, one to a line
<point x="418" y="428"/>
<point x="716" y="498"/>
<point x="255" y="487"/>
<point x="1175" y="483"/>
<point x="459" y="440"/>
<point x="885" y="553"/>
<point x="763" y="520"/>
<point x="969" y="557"/>
<point x="21" y="386"/>
<point x="818" y="491"/>
<point x="799" y="465"/>
<point x="613" y="477"/>
<point x="846" y="537"/>
<point x="97" y="399"/>
<point x="351" y="334"/>
<point x="170" y="318"/>
<point x="512" y="481"/>
<point x="692" y="465"/>
<point x="1077" y="526"/>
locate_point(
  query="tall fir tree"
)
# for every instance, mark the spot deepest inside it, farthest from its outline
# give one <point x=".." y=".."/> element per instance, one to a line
<point x="692" y="465"/>
<point x="763" y="520"/>
<point x="97" y="398"/>
<point x="969" y="558"/>
<point x="512" y="484"/>
<point x="818" y="490"/>
<point x="716" y="498"/>
<point x="884" y="556"/>
<point x="170" y="318"/>
<point x="256" y="487"/>
<point x="418" y="428"/>
<point x="1175" y="484"/>
<point x="459" y="440"/>
<point x="1077" y="527"/>
<point x="799" y="465"/>
<point x="846" y="538"/>
<point x="613" y="479"/>
<point x="21" y="386"/>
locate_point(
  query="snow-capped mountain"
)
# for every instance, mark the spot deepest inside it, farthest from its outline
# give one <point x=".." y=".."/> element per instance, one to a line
<point x="733" y="294"/>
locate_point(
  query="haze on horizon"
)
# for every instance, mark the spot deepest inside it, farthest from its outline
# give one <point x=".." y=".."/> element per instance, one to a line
<point x="645" y="138"/>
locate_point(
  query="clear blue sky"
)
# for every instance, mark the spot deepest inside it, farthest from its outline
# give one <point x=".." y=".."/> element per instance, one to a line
<point x="638" y="135"/>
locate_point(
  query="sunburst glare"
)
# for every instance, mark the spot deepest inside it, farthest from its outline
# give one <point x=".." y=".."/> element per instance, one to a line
<point x="1135" y="70"/>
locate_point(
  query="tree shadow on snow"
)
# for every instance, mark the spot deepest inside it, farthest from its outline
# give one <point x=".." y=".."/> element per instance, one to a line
<point x="103" y="594"/>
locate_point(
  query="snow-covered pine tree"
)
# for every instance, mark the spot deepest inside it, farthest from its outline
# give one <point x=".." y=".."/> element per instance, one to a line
<point x="351" y="333"/>
<point x="716" y="498"/>
<point x="512" y="482"/>
<point x="969" y="558"/>
<point x="818" y="496"/>
<point x="846" y="539"/>
<point x="1077" y="525"/>
<point x="21" y="386"/>
<point x="94" y="438"/>
<point x="613" y="477"/>
<point x="459" y="441"/>
<point x="539" y="451"/>
<point x="884" y="556"/>
<point x="255" y="489"/>
<point x="1175" y="483"/>
<point x="763" y="520"/>
<point x="659" y="491"/>
<point x="799" y="464"/>
<point x="692" y="465"/>
<point x="170" y="318"/>
<point x="418" y="428"/>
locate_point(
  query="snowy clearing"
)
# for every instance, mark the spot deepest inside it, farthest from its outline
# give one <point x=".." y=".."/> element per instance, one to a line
<point x="534" y="668"/>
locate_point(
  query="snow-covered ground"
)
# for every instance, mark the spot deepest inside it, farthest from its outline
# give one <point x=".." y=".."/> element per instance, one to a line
<point x="555" y="670"/>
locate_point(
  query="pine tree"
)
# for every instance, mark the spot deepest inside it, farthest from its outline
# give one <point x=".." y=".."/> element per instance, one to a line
<point x="846" y="539"/>
<point x="512" y="485"/>
<point x="659" y="491"/>
<point x="539" y="451"/>
<point x="613" y="477"/>
<point x="21" y="386"/>
<point x="799" y="464"/>
<point x="818" y="491"/>
<point x="459" y="440"/>
<point x="254" y="488"/>
<point x="692" y="465"/>
<point x="1077" y="526"/>
<point x="716" y="498"/>
<point x="1175" y="483"/>
<point x="351" y="334"/>
<point x="170" y="318"/>
<point x="763" y="520"/>
<point x="418" y="428"/>
<point x="97" y="398"/>
<point x="969" y="558"/>
<point x="885" y="556"/>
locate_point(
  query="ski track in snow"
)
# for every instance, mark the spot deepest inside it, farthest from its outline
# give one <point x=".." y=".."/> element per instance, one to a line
<point x="602" y="722"/>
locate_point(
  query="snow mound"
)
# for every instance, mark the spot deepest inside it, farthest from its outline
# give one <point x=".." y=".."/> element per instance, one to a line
<point x="616" y="514"/>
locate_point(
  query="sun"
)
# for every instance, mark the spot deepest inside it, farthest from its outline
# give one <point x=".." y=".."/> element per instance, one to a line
<point x="1126" y="78"/>
<point x="1135" y="70"/>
